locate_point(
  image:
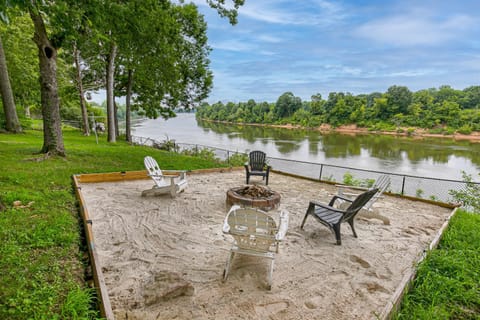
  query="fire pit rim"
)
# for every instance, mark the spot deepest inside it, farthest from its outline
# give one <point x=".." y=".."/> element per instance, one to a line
<point x="264" y="203"/>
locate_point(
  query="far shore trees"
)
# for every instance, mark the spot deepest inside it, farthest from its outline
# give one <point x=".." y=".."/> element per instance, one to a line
<point x="444" y="110"/>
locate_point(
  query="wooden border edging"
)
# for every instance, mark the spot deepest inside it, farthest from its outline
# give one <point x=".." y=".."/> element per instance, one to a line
<point x="99" y="280"/>
<point x="394" y="303"/>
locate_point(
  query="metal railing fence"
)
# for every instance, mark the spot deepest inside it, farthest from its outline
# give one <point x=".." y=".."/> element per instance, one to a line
<point x="414" y="186"/>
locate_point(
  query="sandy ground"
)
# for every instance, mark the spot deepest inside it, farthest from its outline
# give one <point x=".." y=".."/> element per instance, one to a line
<point x="163" y="258"/>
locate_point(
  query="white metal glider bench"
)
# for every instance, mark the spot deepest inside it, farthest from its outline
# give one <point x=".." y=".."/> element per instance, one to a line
<point x="164" y="183"/>
<point x="255" y="233"/>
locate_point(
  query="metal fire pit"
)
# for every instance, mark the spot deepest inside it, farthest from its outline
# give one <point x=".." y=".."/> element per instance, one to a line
<point x="253" y="196"/>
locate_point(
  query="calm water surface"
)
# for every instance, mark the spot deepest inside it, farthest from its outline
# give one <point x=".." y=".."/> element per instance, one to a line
<point x="427" y="157"/>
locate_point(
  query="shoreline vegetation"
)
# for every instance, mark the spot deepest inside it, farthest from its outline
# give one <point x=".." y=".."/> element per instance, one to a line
<point x="443" y="112"/>
<point x="354" y="130"/>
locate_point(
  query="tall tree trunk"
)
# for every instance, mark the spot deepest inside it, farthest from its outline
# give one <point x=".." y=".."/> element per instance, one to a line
<point x="115" y="113"/>
<point x="83" y="107"/>
<point x="11" y="117"/>
<point x="128" y="98"/>
<point x="47" y="53"/>
<point x="110" y="94"/>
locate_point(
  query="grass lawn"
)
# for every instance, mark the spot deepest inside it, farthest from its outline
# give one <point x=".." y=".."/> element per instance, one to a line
<point x="43" y="257"/>
<point x="447" y="285"/>
<point x="43" y="264"/>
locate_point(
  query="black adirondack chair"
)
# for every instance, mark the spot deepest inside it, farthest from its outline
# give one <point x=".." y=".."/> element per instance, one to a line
<point x="257" y="166"/>
<point x="333" y="217"/>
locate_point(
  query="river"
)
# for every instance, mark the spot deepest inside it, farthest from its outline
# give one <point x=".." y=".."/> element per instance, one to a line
<point x="441" y="158"/>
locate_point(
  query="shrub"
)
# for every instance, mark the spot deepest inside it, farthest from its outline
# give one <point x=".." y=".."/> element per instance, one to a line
<point x="469" y="196"/>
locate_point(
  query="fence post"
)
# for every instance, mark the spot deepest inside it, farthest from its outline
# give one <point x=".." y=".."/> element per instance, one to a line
<point x="403" y="185"/>
<point x="321" y="169"/>
<point x="228" y="158"/>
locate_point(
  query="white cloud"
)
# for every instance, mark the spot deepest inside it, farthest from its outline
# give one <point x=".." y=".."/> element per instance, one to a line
<point x="233" y="45"/>
<point x="411" y="30"/>
<point x="301" y="12"/>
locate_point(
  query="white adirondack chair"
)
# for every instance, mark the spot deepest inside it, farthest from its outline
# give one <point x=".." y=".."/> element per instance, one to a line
<point x="255" y="233"/>
<point x="173" y="183"/>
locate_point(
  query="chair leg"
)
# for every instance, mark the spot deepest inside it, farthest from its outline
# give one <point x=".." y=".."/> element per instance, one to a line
<point x="350" y="222"/>
<point x="227" y="266"/>
<point x="311" y="208"/>
<point x="248" y="177"/>
<point x="336" y="229"/>
<point x="270" y="275"/>
<point x="266" y="181"/>
<point x="304" y="219"/>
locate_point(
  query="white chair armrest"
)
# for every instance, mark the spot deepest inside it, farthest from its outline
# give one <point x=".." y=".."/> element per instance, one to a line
<point x="283" y="225"/>
<point x="226" y="226"/>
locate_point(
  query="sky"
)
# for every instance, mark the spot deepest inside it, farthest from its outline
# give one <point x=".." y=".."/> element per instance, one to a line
<point x="320" y="46"/>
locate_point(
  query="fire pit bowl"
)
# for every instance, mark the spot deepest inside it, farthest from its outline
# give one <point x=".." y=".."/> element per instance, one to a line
<point x="253" y="196"/>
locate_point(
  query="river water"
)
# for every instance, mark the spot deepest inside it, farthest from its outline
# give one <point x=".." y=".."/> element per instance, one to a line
<point x="441" y="158"/>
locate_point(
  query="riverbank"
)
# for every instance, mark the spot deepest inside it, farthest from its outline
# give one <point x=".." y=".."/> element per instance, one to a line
<point x="354" y="130"/>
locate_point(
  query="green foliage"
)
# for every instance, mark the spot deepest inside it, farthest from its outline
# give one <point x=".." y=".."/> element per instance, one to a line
<point x="419" y="193"/>
<point x="238" y="159"/>
<point x="465" y="129"/>
<point x="442" y="111"/>
<point x="469" y="196"/>
<point x="349" y="180"/>
<point x="41" y="248"/>
<point x="447" y="286"/>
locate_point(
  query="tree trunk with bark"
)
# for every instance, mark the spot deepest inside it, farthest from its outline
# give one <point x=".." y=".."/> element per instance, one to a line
<point x="110" y="94"/>
<point x="83" y="107"/>
<point x="115" y="116"/>
<point x="47" y="53"/>
<point x="11" y="117"/>
<point x="128" y="98"/>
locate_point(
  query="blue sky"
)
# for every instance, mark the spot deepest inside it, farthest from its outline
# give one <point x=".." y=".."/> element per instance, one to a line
<point x="322" y="46"/>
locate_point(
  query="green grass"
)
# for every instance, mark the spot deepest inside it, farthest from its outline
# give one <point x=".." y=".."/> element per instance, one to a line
<point x="43" y="264"/>
<point x="447" y="285"/>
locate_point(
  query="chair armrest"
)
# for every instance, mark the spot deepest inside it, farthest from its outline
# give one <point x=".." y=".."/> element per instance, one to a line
<point x="226" y="226"/>
<point x="283" y="225"/>
<point x="335" y="197"/>
<point x="326" y="206"/>
<point x="345" y="186"/>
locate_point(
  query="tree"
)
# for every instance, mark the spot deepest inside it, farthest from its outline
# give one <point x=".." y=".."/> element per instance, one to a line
<point x="286" y="105"/>
<point x="20" y="51"/>
<point x="398" y="100"/>
<point x="47" y="54"/>
<point x="11" y="119"/>
<point x="81" y="93"/>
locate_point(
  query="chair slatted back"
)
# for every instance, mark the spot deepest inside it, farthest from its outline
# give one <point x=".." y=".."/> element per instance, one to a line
<point x="382" y="183"/>
<point x="358" y="203"/>
<point x="154" y="170"/>
<point x="257" y="160"/>
<point x="252" y="229"/>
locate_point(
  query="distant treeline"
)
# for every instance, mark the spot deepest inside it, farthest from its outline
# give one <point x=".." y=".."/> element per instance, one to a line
<point x="443" y="110"/>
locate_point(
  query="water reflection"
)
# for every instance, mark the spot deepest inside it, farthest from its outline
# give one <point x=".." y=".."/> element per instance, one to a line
<point x="442" y="158"/>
